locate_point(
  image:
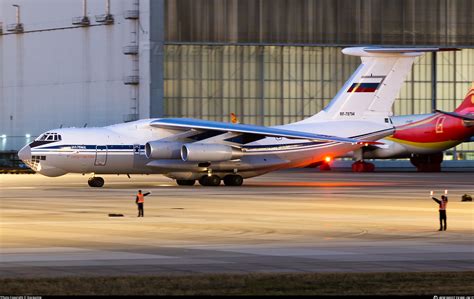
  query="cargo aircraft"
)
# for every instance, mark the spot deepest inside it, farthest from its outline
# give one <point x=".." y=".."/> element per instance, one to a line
<point x="190" y="149"/>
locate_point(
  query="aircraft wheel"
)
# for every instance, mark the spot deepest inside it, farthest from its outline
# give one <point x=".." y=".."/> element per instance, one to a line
<point x="212" y="180"/>
<point x="361" y="166"/>
<point x="325" y="167"/>
<point x="185" y="182"/>
<point x="427" y="163"/>
<point x="203" y="181"/>
<point x="233" y="180"/>
<point x="96" y="182"/>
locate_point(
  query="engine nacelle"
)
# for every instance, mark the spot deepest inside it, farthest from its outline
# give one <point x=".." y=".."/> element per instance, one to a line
<point x="200" y="152"/>
<point x="163" y="150"/>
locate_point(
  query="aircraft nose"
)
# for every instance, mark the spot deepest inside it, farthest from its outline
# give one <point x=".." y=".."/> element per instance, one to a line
<point x="25" y="153"/>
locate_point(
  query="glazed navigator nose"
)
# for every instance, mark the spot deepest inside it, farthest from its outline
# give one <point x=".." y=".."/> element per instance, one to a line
<point x="25" y="153"/>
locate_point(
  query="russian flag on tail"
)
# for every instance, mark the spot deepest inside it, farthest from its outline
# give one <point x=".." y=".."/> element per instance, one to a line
<point x="363" y="87"/>
<point x="367" y="84"/>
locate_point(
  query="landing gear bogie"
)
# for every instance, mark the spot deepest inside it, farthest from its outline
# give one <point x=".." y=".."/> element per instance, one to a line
<point x="325" y="167"/>
<point x="233" y="180"/>
<point x="96" y="182"/>
<point x="362" y="166"/>
<point x="185" y="182"/>
<point x="212" y="180"/>
<point x="427" y="163"/>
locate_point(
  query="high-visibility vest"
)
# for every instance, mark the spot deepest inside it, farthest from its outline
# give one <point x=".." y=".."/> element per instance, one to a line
<point x="141" y="198"/>
<point x="442" y="205"/>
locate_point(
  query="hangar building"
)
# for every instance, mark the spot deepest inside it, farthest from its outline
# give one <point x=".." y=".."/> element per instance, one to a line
<point x="99" y="62"/>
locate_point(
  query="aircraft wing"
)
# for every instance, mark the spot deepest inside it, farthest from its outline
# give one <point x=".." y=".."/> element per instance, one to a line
<point x="205" y="125"/>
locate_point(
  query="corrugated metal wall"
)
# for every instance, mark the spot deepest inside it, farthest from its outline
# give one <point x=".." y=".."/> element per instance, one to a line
<point x="401" y="22"/>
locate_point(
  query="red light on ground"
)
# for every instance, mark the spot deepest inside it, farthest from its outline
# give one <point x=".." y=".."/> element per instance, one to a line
<point x="327" y="159"/>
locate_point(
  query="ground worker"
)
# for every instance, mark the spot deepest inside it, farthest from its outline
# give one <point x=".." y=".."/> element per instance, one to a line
<point x="442" y="210"/>
<point x="140" y="199"/>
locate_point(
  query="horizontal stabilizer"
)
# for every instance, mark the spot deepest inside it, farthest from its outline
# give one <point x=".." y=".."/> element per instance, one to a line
<point x="457" y="115"/>
<point x="376" y="51"/>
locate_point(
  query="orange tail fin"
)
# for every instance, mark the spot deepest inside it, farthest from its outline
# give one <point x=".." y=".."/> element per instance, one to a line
<point x="468" y="100"/>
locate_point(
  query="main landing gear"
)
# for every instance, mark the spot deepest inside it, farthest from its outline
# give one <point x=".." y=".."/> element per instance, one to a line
<point x="362" y="166"/>
<point x="233" y="180"/>
<point x="427" y="163"/>
<point x="214" y="180"/>
<point x="325" y="166"/>
<point x="185" y="182"/>
<point x="96" y="181"/>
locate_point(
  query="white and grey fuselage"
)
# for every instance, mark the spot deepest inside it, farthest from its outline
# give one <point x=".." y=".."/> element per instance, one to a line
<point x="120" y="149"/>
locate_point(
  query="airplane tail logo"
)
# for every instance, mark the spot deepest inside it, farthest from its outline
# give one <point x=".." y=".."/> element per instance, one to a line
<point x="468" y="101"/>
<point x="368" y="84"/>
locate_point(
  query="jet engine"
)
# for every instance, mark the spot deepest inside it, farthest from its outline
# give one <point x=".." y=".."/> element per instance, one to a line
<point x="199" y="152"/>
<point x="163" y="150"/>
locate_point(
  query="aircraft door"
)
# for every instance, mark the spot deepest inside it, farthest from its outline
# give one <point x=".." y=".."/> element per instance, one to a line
<point x="100" y="155"/>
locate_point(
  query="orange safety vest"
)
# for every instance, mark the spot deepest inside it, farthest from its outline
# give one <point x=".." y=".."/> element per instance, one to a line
<point x="442" y="205"/>
<point x="141" y="198"/>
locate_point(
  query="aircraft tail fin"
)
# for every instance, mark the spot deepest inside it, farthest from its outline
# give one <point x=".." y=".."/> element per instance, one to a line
<point x="468" y="101"/>
<point x="371" y="90"/>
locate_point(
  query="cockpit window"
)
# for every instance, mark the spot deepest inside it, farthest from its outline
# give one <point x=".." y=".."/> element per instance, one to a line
<point x="49" y="137"/>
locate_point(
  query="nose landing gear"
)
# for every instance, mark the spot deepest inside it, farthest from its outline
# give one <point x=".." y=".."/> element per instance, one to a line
<point x="96" y="182"/>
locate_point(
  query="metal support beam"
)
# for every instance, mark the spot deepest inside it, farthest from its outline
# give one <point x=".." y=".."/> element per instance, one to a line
<point x="157" y="38"/>
<point x="433" y="81"/>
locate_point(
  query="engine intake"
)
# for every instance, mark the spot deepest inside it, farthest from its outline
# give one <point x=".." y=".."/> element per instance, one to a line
<point x="163" y="150"/>
<point x="200" y="152"/>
